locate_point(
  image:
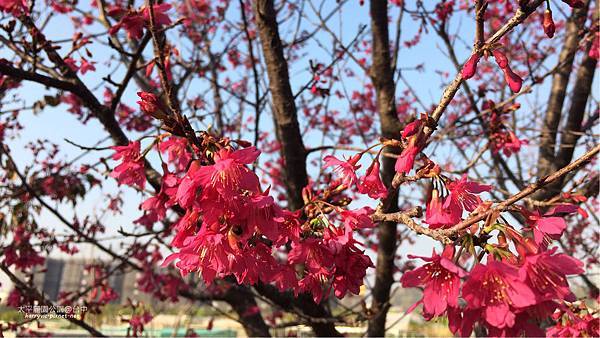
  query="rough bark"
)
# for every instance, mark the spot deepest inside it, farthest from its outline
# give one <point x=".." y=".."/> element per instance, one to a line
<point x="382" y="77"/>
<point x="284" y="107"/>
<point x="289" y="137"/>
<point x="560" y="82"/>
<point x="572" y="130"/>
<point x="243" y="303"/>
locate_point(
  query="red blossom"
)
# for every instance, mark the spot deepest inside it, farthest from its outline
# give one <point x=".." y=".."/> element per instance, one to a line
<point x="86" y="66"/>
<point x="160" y="17"/>
<point x="345" y="169"/>
<point x="547" y="272"/>
<point x="133" y="22"/>
<point x="442" y="212"/>
<point x="464" y="192"/>
<point x="13" y="6"/>
<point x="131" y="171"/>
<point x="495" y="289"/>
<point x="177" y="152"/>
<point x="149" y="103"/>
<point x="371" y="184"/>
<point x="441" y="279"/>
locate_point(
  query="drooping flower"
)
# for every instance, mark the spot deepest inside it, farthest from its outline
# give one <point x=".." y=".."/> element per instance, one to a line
<point x="177" y="151"/>
<point x="260" y="213"/>
<point x="86" y="66"/>
<point x="187" y="192"/>
<point x="440" y="278"/>
<point x="412" y="128"/>
<point x="149" y="104"/>
<point x="496" y="289"/>
<point x="133" y="22"/>
<point x="464" y="192"/>
<point x="371" y="184"/>
<point x="549" y="226"/>
<point x="358" y="219"/>
<point x="350" y="270"/>
<point x="313" y="253"/>
<point x="546" y="273"/>
<point x="406" y="160"/>
<point x="131" y="170"/>
<point x="345" y="169"/>
<point x="160" y="17"/>
<point x="157" y="205"/>
<point x="462" y="320"/>
<point x="313" y="284"/>
<point x="441" y="213"/>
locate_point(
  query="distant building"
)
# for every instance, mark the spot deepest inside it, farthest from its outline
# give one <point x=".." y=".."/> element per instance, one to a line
<point x="59" y="275"/>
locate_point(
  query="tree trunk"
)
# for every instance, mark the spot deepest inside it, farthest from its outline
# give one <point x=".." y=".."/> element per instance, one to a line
<point x="573" y="128"/>
<point x="382" y="77"/>
<point x="560" y="81"/>
<point x="289" y="137"/>
<point x="284" y="107"/>
<point x="243" y="303"/>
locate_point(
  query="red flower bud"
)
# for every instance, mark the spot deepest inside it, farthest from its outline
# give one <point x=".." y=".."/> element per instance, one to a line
<point x="548" y="24"/>
<point x="501" y="59"/>
<point x="470" y="67"/>
<point x="514" y="81"/>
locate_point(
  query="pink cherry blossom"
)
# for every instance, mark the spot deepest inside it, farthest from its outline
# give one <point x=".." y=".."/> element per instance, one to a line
<point x="177" y="152"/>
<point x="406" y="160"/>
<point x="442" y="213"/>
<point x="440" y="278"/>
<point x="547" y="272"/>
<point x="496" y="289"/>
<point x="345" y="169"/>
<point x="464" y="192"/>
<point x="131" y="171"/>
<point x="371" y="183"/>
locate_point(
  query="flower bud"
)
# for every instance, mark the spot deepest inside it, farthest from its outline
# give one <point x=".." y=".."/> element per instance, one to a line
<point x="470" y="67"/>
<point x="501" y="59"/>
<point x="514" y="81"/>
<point x="548" y="24"/>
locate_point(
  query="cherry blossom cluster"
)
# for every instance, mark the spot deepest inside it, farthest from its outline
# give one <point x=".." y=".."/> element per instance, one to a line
<point x="231" y="226"/>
